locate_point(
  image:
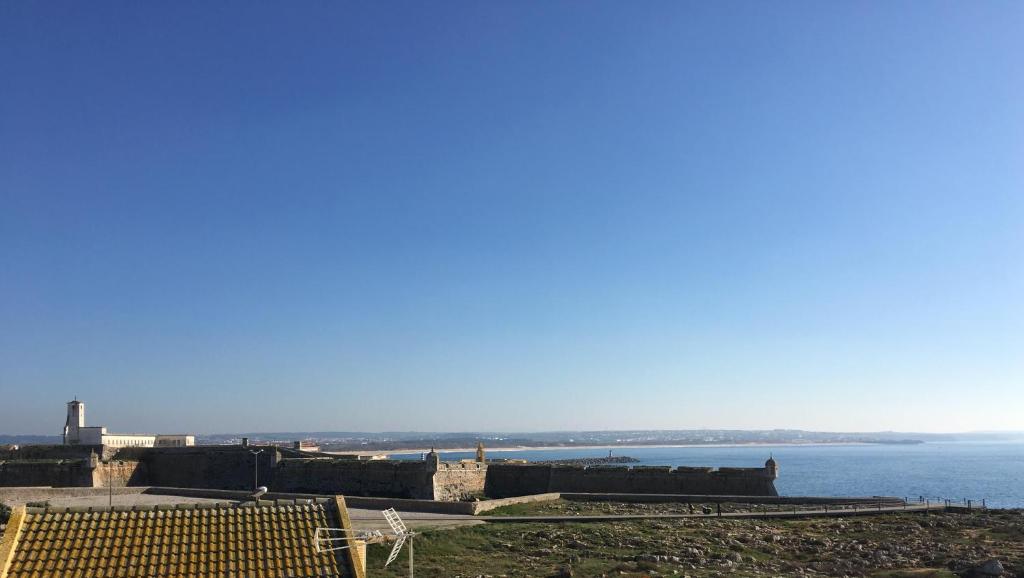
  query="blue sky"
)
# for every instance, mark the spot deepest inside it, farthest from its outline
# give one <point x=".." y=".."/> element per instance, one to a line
<point x="512" y="216"/>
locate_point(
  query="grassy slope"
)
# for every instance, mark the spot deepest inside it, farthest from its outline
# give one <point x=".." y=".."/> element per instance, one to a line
<point x="908" y="545"/>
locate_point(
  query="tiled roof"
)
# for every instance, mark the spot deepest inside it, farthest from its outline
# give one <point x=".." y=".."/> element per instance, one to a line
<point x="189" y="541"/>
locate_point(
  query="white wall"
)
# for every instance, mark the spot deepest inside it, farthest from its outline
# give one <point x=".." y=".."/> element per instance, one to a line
<point x="129" y="441"/>
<point x="89" y="436"/>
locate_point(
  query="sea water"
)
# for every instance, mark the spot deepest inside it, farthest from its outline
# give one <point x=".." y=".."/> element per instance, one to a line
<point x="993" y="471"/>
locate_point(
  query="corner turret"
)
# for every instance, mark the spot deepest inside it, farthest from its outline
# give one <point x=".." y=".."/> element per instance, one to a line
<point x="433" y="460"/>
<point x="771" y="467"/>
<point x="481" y="457"/>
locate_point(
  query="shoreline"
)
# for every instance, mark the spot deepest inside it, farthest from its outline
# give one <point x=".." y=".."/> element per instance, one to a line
<point x="606" y="447"/>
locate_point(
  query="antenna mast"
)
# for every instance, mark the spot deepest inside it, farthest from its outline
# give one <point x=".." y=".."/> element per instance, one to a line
<point x="401" y="535"/>
<point x="331" y="539"/>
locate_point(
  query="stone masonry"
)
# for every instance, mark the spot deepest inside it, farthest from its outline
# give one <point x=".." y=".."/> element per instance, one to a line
<point x="283" y="470"/>
<point x="526" y="479"/>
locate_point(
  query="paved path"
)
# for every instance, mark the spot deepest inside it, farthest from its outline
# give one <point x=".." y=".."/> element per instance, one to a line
<point x="372" y="519"/>
<point x="866" y="511"/>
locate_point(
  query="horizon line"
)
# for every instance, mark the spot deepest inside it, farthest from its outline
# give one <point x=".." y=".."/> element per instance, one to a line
<point x="554" y="431"/>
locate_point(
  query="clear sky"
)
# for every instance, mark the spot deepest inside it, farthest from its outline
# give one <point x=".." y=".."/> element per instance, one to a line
<point x="245" y="216"/>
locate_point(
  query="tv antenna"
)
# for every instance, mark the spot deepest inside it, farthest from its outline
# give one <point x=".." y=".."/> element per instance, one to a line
<point x="331" y="539"/>
<point x="402" y="534"/>
<point x="327" y="539"/>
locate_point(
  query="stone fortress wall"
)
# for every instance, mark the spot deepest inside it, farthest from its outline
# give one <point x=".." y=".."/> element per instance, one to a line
<point x="429" y="479"/>
<point x="68" y="467"/>
<point x="460" y="481"/>
<point x="235" y="468"/>
<point x="386" y="478"/>
<point x="119" y="474"/>
<point x="525" y="479"/>
<point x="220" y="467"/>
<point x="98" y="466"/>
<point x="285" y="470"/>
<point x="59" y="473"/>
<point x="52" y="452"/>
<point x="47" y="466"/>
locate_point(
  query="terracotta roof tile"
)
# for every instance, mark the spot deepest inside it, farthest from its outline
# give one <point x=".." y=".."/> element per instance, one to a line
<point x="268" y="541"/>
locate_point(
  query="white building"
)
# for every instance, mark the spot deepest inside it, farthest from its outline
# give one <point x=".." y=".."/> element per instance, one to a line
<point x="77" y="433"/>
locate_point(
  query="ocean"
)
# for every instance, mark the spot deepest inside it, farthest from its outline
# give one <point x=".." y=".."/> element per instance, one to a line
<point x="993" y="471"/>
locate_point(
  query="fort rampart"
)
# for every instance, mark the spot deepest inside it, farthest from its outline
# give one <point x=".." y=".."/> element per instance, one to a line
<point x="119" y="474"/>
<point x="520" y="480"/>
<point x="222" y="467"/>
<point x="76" y="467"/>
<point x="50" y="452"/>
<point x="459" y="481"/>
<point x="239" y="468"/>
<point x="396" y="479"/>
<point x="62" y="473"/>
<point x="423" y="480"/>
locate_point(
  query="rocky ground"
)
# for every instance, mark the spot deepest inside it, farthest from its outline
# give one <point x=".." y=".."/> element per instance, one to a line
<point x="891" y="545"/>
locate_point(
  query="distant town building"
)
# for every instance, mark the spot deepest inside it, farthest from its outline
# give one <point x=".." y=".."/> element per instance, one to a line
<point x="77" y="433"/>
<point x="372" y="457"/>
<point x="306" y="446"/>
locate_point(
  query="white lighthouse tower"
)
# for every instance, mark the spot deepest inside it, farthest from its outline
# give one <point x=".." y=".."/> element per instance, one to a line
<point x="75" y="421"/>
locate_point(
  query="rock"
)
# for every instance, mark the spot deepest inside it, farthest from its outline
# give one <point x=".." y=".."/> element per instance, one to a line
<point x="734" y="557"/>
<point x="991" y="567"/>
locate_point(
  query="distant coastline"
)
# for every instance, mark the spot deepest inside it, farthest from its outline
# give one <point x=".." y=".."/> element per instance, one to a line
<point x="615" y="447"/>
